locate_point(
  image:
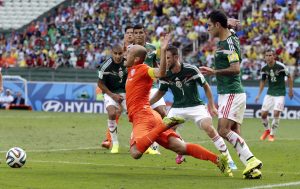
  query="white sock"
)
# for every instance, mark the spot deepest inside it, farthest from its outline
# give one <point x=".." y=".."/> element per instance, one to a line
<point x="240" y="146"/>
<point x="113" y="130"/>
<point x="265" y="122"/>
<point x="275" y="125"/>
<point x="221" y="146"/>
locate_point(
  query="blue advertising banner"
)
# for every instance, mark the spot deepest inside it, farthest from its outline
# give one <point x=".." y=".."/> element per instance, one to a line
<point x="81" y="97"/>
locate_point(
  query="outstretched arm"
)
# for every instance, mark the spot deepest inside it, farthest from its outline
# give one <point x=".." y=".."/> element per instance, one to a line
<point x="161" y="71"/>
<point x="233" y="69"/>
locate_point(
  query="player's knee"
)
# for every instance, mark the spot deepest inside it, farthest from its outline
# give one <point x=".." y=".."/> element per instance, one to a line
<point x="135" y="154"/>
<point x="177" y="146"/>
<point x="264" y="115"/>
<point x="222" y="132"/>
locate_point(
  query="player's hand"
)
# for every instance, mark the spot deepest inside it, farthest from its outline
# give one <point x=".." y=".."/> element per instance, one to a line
<point x="291" y="94"/>
<point x="1" y="89"/>
<point x="213" y="111"/>
<point x="256" y="99"/>
<point x="232" y="22"/>
<point x="164" y="41"/>
<point x="118" y="98"/>
<point x="207" y="71"/>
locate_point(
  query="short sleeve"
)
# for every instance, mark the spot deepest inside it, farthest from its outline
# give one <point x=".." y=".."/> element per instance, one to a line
<point x="163" y="85"/>
<point x="233" y="58"/>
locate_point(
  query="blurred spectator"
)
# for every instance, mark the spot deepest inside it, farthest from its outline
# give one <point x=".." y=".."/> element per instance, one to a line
<point x="18" y="100"/>
<point x="6" y="99"/>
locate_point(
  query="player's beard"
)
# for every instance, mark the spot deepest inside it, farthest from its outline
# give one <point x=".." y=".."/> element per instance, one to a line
<point x="172" y="65"/>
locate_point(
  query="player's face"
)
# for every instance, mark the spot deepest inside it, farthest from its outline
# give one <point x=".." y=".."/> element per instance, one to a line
<point x="270" y="58"/>
<point x="117" y="55"/>
<point x="139" y="36"/>
<point x="128" y="57"/>
<point x="129" y="36"/>
<point x="171" y="60"/>
<point x="212" y="29"/>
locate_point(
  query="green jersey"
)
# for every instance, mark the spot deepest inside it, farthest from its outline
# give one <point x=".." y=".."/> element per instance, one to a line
<point x="151" y="59"/>
<point x="228" y="52"/>
<point x="275" y="76"/>
<point x="113" y="75"/>
<point x="184" y="86"/>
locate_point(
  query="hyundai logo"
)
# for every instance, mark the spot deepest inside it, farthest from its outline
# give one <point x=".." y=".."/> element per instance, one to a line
<point x="52" y="106"/>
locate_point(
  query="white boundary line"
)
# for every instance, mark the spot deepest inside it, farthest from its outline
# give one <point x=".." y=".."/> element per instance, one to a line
<point x="275" y="185"/>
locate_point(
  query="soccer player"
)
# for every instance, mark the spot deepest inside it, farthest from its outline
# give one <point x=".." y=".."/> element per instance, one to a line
<point x="148" y="125"/>
<point x="112" y="77"/>
<point x="151" y="60"/>
<point x="231" y="95"/>
<point x="183" y="80"/>
<point x="128" y="40"/>
<point x="275" y="72"/>
<point x="128" y="37"/>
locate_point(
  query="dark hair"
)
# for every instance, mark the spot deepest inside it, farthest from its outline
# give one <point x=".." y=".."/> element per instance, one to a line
<point x="128" y="27"/>
<point x="138" y="26"/>
<point x="270" y="49"/>
<point x="173" y="50"/>
<point x="218" y="16"/>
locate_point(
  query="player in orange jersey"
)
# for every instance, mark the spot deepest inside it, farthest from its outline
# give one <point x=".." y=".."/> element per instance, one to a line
<point x="148" y="125"/>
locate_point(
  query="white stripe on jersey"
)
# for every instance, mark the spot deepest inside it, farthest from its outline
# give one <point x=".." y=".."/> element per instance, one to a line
<point x="284" y="67"/>
<point x="230" y="43"/>
<point x="106" y="64"/>
<point x="199" y="74"/>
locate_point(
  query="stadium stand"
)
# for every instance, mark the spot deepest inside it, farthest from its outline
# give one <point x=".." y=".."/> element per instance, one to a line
<point x="79" y="35"/>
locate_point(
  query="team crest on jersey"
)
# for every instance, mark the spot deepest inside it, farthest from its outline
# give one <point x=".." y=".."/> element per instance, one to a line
<point x="132" y="72"/>
<point x="121" y="74"/>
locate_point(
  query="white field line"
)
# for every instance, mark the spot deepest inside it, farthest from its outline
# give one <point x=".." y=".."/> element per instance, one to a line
<point x="95" y="147"/>
<point x="275" y="185"/>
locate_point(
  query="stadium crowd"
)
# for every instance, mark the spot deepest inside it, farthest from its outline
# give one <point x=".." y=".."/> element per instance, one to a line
<point x="80" y="35"/>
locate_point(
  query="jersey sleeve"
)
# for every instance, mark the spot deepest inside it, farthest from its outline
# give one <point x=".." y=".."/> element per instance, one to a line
<point x="198" y="77"/>
<point x="102" y="70"/>
<point x="163" y="85"/>
<point x="263" y="75"/>
<point x="151" y="72"/>
<point x="233" y="58"/>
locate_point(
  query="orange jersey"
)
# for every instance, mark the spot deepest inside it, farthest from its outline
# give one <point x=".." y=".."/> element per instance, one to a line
<point x="138" y="85"/>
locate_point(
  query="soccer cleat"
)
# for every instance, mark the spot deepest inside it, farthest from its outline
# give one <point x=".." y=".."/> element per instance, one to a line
<point x="115" y="149"/>
<point x="223" y="165"/>
<point x="255" y="174"/>
<point x="152" y="152"/>
<point x="271" y="138"/>
<point x="252" y="164"/>
<point x="106" y="144"/>
<point x="179" y="159"/>
<point x="265" y="134"/>
<point x="172" y="121"/>
<point x="232" y="165"/>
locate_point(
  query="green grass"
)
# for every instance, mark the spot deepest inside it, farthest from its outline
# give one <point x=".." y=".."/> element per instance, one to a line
<point x="63" y="151"/>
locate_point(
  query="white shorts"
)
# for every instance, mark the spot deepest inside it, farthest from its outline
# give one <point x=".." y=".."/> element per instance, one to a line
<point x="108" y="101"/>
<point x="195" y="113"/>
<point x="272" y="103"/>
<point x="161" y="101"/>
<point x="232" y="106"/>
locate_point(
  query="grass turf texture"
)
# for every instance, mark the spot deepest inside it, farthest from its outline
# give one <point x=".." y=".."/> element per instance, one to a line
<point x="63" y="151"/>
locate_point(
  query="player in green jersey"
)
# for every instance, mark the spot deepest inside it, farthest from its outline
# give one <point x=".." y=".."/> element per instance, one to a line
<point x="231" y="95"/>
<point x="183" y="80"/>
<point x="128" y="36"/>
<point x="112" y="76"/>
<point x="274" y="72"/>
<point x="151" y="60"/>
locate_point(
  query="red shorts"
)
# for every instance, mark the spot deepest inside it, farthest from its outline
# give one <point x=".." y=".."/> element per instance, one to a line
<point x="144" y="121"/>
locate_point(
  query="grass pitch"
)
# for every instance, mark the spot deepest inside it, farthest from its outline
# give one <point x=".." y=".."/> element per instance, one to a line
<point x="63" y="152"/>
